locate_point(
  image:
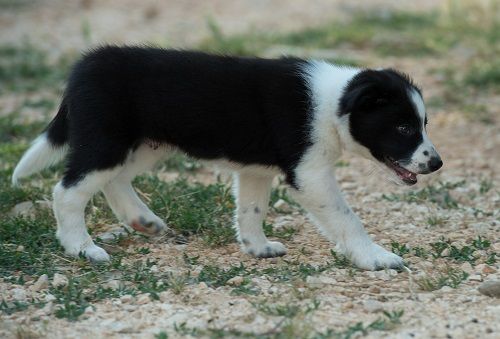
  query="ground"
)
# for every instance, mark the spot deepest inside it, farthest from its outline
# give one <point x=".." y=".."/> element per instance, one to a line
<point x="197" y="283"/>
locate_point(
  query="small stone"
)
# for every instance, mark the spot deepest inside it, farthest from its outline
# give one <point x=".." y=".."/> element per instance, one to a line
<point x="372" y="305"/>
<point x="59" y="280"/>
<point x="490" y="288"/>
<point x="235" y="281"/>
<point x="475" y="277"/>
<point x="484" y="269"/>
<point x="202" y="285"/>
<point x="113" y="234"/>
<point x="426" y="297"/>
<point x="18" y="294"/>
<point x="48" y="308"/>
<point x="165" y="296"/>
<point x="467" y="267"/>
<point x="374" y="289"/>
<point x="143" y="299"/>
<point x="20" y="248"/>
<point x="446" y="289"/>
<point x="348" y="305"/>
<point x="282" y="205"/>
<point x="127" y="298"/>
<point x="49" y="297"/>
<point x="88" y="310"/>
<point x="320" y="281"/>
<point x="383" y="275"/>
<point x="23" y="209"/>
<point x="113" y="284"/>
<point x="121" y="327"/>
<point x="41" y="284"/>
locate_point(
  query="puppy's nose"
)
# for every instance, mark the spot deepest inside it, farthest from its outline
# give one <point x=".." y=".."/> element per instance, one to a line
<point x="435" y="163"/>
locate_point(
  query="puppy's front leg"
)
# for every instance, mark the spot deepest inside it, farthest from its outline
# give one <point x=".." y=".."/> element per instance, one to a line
<point x="320" y="195"/>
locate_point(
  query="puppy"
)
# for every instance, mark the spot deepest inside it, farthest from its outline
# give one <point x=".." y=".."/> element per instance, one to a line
<point x="125" y="108"/>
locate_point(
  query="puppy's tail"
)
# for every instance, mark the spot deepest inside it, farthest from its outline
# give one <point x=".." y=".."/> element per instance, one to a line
<point x="46" y="150"/>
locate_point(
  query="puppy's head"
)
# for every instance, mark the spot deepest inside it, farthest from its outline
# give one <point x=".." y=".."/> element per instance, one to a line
<point x="386" y="116"/>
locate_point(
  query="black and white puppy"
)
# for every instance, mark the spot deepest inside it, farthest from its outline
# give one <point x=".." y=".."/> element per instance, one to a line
<point x="125" y="108"/>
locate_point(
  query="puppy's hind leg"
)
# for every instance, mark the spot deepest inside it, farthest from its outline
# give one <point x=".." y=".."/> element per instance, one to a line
<point x="70" y="198"/>
<point x="252" y="198"/>
<point x="122" y="197"/>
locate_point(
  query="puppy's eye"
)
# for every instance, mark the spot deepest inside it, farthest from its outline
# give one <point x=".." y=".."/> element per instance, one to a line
<point x="405" y="129"/>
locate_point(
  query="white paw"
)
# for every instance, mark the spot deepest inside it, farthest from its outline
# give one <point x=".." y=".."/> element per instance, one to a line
<point x="268" y="249"/>
<point x="95" y="254"/>
<point x="151" y="225"/>
<point x="374" y="257"/>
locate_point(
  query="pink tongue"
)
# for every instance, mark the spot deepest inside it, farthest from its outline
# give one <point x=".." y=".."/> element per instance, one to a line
<point x="405" y="174"/>
<point x="409" y="175"/>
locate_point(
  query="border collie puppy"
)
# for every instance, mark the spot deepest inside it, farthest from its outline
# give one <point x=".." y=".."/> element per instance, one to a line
<point x="125" y="108"/>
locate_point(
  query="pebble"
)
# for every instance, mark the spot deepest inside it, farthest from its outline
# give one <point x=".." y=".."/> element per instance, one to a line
<point x="113" y="284"/>
<point x="24" y="209"/>
<point x="386" y="274"/>
<point x="89" y="310"/>
<point x="113" y="234"/>
<point x="320" y="281"/>
<point x="49" y="297"/>
<point x="41" y="284"/>
<point x="121" y="327"/>
<point x="59" y="280"/>
<point x="127" y="298"/>
<point x="484" y="269"/>
<point x="490" y="288"/>
<point x="143" y="299"/>
<point x="282" y="205"/>
<point x="372" y="305"/>
<point x="475" y="277"/>
<point x="18" y="294"/>
<point x="467" y="267"/>
<point x="48" y="308"/>
<point x="236" y="281"/>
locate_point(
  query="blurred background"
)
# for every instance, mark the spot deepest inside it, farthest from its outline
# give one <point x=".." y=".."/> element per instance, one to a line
<point x="446" y="227"/>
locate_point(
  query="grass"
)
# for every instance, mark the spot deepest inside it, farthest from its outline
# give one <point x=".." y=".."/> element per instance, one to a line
<point x="26" y="68"/>
<point x="477" y="249"/>
<point x="191" y="209"/>
<point x="293" y="325"/>
<point x="438" y="194"/>
<point x="450" y="277"/>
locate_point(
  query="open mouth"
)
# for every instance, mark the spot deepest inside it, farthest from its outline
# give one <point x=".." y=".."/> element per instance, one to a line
<point x="408" y="177"/>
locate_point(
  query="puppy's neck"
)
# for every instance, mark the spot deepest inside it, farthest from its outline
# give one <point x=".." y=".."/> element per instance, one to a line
<point x="327" y="83"/>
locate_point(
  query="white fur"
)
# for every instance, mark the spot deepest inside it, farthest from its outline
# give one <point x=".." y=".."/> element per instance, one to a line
<point x="69" y="210"/>
<point x="319" y="192"/>
<point x="40" y="155"/>
<point x="419" y="157"/>
<point x="69" y="203"/>
<point x="120" y="194"/>
<point x="252" y="194"/>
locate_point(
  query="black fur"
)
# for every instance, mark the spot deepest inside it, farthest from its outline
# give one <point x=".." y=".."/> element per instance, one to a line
<point x="378" y="103"/>
<point x="248" y="110"/>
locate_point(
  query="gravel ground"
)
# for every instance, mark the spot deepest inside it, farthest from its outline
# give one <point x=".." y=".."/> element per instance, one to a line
<point x="469" y="150"/>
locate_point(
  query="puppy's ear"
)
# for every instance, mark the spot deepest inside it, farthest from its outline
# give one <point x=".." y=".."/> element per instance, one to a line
<point x="353" y="98"/>
<point x="363" y="97"/>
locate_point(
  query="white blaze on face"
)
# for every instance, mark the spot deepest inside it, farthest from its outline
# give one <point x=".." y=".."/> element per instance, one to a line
<point x="426" y="150"/>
